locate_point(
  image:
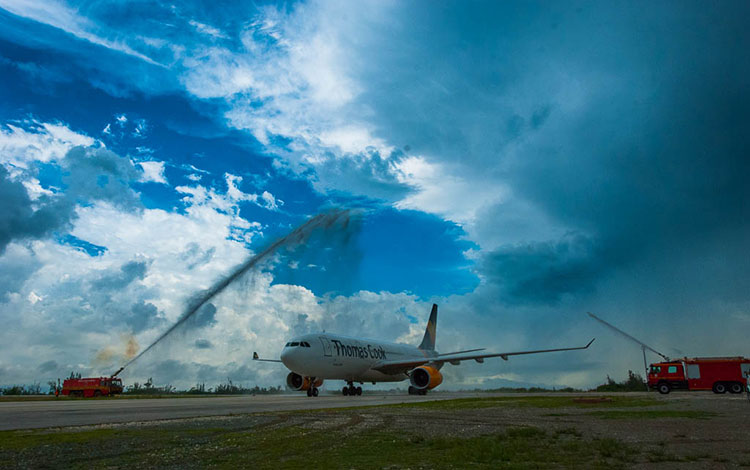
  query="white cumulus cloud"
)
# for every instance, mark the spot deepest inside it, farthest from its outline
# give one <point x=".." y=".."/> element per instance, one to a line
<point x="153" y="171"/>
<point x="29" y="141"/>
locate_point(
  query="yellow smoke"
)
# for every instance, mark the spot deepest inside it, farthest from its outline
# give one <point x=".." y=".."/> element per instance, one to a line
<point x="104" y="356"/>
<point x="126" y="350"/>
<point x="131" y="346"/>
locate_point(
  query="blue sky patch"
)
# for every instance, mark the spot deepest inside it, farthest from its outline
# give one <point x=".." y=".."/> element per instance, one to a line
<point x="82" y="245"/>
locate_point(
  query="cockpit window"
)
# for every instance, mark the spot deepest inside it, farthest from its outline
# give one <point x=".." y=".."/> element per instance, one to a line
<point x="305" y="344"/>
<point x="287" y="345"/>
<point x="294" y="344"/>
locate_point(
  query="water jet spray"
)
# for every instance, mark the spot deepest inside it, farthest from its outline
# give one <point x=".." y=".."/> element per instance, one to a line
<point x="324" y="220"/>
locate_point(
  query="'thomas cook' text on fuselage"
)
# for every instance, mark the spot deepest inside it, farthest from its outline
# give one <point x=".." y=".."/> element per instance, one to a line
<point x="330" y="356"/>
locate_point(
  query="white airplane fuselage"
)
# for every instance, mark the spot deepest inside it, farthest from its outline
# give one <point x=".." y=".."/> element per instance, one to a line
<point x="338" y="357"/>
<point x="313" y="358"/>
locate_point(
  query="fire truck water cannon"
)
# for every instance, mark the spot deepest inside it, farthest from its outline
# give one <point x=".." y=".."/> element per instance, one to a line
<point x="718" y="374"/>
<point x="89" y="387"/>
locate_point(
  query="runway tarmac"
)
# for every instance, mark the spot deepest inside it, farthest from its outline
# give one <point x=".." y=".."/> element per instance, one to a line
<point x="78" y="412"/>
<point x="67" y="412"/>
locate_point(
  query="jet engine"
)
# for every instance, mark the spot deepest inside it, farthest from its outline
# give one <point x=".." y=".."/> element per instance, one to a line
<point x="425" y="378"/>
<point x="298" y="383"/>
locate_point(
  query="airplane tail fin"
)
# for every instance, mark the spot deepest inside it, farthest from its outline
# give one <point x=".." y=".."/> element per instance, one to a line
<point x="428" y="342"/>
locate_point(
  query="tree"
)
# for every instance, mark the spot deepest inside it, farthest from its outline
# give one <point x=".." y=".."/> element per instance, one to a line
<point x="634" y="383"/>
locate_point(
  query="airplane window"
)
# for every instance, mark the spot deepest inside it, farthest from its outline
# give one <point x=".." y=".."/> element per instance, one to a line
<point x="294" y="344"/>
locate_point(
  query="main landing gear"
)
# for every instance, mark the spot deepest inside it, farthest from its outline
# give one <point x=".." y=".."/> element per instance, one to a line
<point x="351" y="390"/>
<point x="416" y="391"/>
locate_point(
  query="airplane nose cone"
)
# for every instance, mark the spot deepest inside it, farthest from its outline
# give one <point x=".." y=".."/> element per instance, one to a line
<point x="289" y="358"/>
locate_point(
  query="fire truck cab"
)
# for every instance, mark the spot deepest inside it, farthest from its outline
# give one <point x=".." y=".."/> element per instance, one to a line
<point x="719" y="374"/>
<point x="92" y="387"/>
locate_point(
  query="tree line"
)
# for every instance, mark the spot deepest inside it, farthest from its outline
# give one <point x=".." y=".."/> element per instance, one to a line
<point x="148" y="388"/>
<point x="228" y="388"/>
<point x="634" y="383"/>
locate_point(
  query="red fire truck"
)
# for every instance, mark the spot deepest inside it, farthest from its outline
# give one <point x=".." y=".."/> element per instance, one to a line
<point x="719" y="374"/>
<point x="92" y="387"/>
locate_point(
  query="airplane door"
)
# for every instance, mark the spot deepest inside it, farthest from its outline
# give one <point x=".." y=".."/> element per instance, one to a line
<point x="326" y="346"/>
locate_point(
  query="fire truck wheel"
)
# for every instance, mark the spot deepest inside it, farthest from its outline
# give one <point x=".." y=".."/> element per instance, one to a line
<point x="97" y="393"/>
<point x="664" y="388"/>
<point x="735" y="387"/>
<point x="720" y="387"/>
<point x="315" y="391"/>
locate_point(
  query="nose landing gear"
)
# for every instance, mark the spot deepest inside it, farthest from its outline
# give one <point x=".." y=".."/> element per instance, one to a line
<point x="312" y="391"/>
<point x="351" y="390"/>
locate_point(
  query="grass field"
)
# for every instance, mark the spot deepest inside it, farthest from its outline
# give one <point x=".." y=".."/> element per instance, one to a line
<point x="487" y="432"/>
<point x="294" y="447"/>
<point x="618" y="401"/>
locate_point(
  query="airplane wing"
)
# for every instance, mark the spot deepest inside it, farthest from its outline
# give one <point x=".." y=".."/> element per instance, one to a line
<point x="257" y="358"/>
<point x="395" y="367"/>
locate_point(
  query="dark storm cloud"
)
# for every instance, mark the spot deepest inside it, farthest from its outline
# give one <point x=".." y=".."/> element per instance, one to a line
<point x="111" y="300"/>
<point x="364" y="173"/>
<point x="88" y="175"/>
<point x="628" y="123"/>
<point x="203" y="344"/>
<point x="205" y="316"/>
<point x="544" y="272"/>
<point x="99" y="174"/>
<point x="122" y="277"/>
<point x="14" y="271"/>
<point x="19" y="219"/>
<point x="49" y="366"/>
<point x="660" y="159"/>
<point x="143" y="315"/>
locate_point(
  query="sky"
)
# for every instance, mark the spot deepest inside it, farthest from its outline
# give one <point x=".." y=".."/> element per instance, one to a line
<point x="517" y="163"/>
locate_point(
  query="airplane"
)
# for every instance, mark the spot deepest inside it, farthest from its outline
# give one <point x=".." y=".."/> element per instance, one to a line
<point x="313" y="358"/>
